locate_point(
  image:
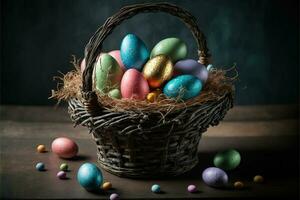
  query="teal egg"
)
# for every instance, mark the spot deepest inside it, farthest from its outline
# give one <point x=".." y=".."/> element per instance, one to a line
<point x="175" y="48"/>
<point x="89" y="176"/>
<point x="183" y="87"/>
<point x="134" y="52"/>
<point x="227" y="160"/>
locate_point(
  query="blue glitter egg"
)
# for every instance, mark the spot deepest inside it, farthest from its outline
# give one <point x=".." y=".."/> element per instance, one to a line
<point x="89" y="176"/>
<point x="155" y="188"/>
<point x="40" y="166"/>
<point x="134" y="52"/>
<point x="215" y="177"/>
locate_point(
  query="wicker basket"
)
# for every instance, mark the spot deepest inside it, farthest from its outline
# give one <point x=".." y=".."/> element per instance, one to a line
<point x="142" y="144"/>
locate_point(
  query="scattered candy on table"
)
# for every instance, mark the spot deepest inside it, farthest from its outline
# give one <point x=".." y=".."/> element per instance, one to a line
<point x="40" y="166"/>
<point x="41" y="148"/>
<point x="114" y="196"/>
<point x="228" y="159"/>
<point x="89" y="176"/>
<point x="61" y="175"/>
<point x="215" y="177"/>
<point x="155" y="188"/>
<point x="192" y="188"/>
<point x="64" y="167"/>
<point x="258" y="179"/>
<point x="64" y="147"/>
<point x="106" y="186"/>
<point x="238" y="185"/>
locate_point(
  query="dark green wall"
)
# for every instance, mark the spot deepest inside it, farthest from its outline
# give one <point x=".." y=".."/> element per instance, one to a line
<point x="38" y="38"/>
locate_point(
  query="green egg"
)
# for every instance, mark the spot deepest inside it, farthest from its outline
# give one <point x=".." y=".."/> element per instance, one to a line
<point x="175" y="48"/>
<point x="228" y="159"/>
<point x="64" y="167"/>
<point x="115" y="93"/>
<point x="107" y="73"/>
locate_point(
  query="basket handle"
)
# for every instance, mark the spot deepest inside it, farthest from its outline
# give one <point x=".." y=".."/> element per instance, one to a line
<point x="94" y="46"/>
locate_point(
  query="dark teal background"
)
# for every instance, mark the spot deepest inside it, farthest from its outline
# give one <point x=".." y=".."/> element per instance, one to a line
<point x="38" y="38"/>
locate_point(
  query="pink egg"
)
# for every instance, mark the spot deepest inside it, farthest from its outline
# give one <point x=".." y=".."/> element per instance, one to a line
<point x="116" y="55"/>
<point x="134" y="85"/>
<point x="64" y="147"/>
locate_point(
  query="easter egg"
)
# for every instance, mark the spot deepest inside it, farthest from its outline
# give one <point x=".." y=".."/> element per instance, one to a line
<point x="155" y="188"/>
<point x="89" y="176"/>
<point x="134" y="85"/>
<point x="190" y="66"/>
<point x="64" y="147"/>
<point x="258" y="179"/>
<point x="64" y="167"/>
<point x="228" y="159"/>
<point x="175" y="48"/>
<point x="238" y="185"/>
<point x="107" y="74"/>
<point x="192" y="188"/>
<point x="215" y="177"/>
<point x="158" y="70"/>
<point x="114" y="196"/>
<point x="134" y="52"/>
<point x="183" y="87"/>
<point x="61" y="175"/>
<point x="152" y="96"/>
<point x="117" y="56"/>
<point x="115" y="94"/>
<point x="41" y="148"/>
<point x="106" y="186"/>
<point x="40" y="166"/>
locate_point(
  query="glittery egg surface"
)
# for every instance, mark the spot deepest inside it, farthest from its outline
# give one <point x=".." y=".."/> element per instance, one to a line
<point x="134" y="52"/>
<point x="89" y="176"/>
<point x="64" y="147"/>
<point x="215" y="177"/>
<point x="175" y="48"/>
<point x="158" y="70"/>
<point x="228" y="159"/>
<point x="190" y="66"/>
<point x="134" y="85"/>
<point x="183" y="87"/>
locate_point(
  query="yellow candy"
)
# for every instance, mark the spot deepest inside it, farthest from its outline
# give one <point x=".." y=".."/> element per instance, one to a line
<point x="41" y="148"/>
<point x="106" y="186"/>
<point x="258" y="179"/>
<point x="238" y="185"/>
<point x="152" y="96"/>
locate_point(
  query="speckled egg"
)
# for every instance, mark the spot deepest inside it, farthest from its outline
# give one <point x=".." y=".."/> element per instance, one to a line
<point x="134" y="85"/>
<point x="134" y="52"/>
<point x="158" y="70"/>
<point x="64" y="147"/>
<point x="215" y="177"/>
<point x="228" y="159"/>
<point x="117" y="56"/>
<point x="107" y="73"/>
<point x="183" y="87"/>
<point x="89" y="176"/>
<point x="190" y="66"/>
<point x="175" y="48"/>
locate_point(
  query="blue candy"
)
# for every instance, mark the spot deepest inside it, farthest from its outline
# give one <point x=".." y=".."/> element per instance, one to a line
<point x="40" y="166"/>
<point x="155" y="188"/>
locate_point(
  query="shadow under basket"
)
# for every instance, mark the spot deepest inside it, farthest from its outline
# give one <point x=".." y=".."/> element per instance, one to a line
<point x="136" y="143"/>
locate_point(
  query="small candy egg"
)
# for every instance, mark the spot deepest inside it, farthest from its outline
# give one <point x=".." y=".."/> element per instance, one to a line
<point x="152" y="96"/>
<point x="134" y="52"/>
<point x="190" y="66"/>
<point x="64" y="167"/>
<point x="238" y="185"/>
<point x="64" y="147"/>
<point x="117" y="56"/>
<point x="114" y="196"/>
<point x="115" y="94"/>
<point x="61" y="175"/>
<point x="158" y="70"/>
<point x="183" y="87"/>
<point x="106" y="186"/>
<point x="134" y="85"/>
<point x="89" y="176"/>
<point x="40" y="166"/>
<point x="227" y="160"/>
<point x="41" y="148"/>
<point x="191" y="188"/>
<point x="155" y="188"/>
<point x="258" y="179"/>
<point x="215" y="177"/>
<point x="175" y="48"/>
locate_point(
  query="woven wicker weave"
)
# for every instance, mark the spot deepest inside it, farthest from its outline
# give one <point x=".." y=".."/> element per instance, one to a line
<point x="145" y="144"/>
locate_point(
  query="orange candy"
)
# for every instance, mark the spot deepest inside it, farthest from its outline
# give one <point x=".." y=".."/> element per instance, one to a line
<point x="41" y="148"/>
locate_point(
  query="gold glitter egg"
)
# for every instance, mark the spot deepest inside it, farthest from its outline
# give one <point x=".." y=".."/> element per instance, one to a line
<point x="238" y="185"/>
<point x="106" y="186"/>
<point x="152" y="96"/>
<point x="158" y="70"/>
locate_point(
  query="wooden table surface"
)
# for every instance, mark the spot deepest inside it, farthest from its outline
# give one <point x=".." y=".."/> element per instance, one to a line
<point x="266" y="136"/>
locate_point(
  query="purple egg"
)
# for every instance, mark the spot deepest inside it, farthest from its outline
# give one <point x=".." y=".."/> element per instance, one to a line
<point x="192" y="188"/>
<point x="61" y="175"/>
<point x="215" y="177"/>
<point x="114" y="196"/>
<point x="190" y="66"/>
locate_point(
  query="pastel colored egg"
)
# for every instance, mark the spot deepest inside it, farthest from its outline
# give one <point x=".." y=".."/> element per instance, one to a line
<point x="40" y="166"/>
<point x="190" y="66"/>
<point x="215" y="177"/>
<point x="238" y="185"/>
<point x="183" y="87"/>
<point x="114" y="196"/>
<point x="134" y="85"/>
<point x="64" y="147"/>
<point x="228" y="159"/>
<point x="117" y="56"/>
<point x="89" y="176"/>
<point x="106" y="186"/>
<point x="158" y="70"/>
<point x="175" y="48"/>
<point x="258" y="179"/>
<point x="152" y="96"/>
<point x="41" y="148"/>
<point x="107" y="73"/>
<point x="64" y="167"/>
<point x="115" y="94"/>
<point x="155" y="188"/>
<point x="134" y="52"/>
<point x="192" y="188"/>
<point x="61" y="175"/>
